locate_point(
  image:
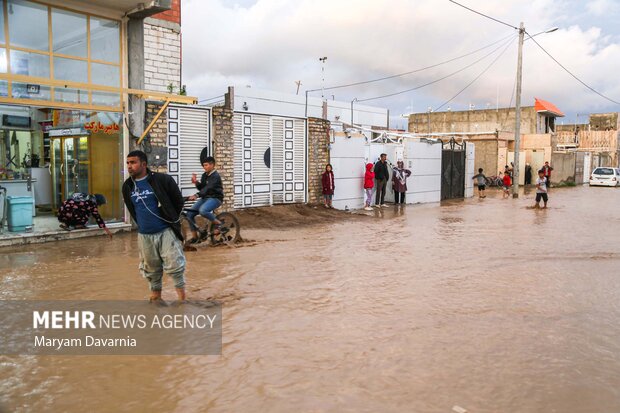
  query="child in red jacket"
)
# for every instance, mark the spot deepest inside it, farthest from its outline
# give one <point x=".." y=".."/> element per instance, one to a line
<point x="328" y="185"/>
<point x="507" y="184"/>
<point x="369" y="182"/>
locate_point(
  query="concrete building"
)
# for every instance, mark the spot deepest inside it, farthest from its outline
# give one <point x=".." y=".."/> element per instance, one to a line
<point x="540" y="118"/>
<point x="75" y="77"/>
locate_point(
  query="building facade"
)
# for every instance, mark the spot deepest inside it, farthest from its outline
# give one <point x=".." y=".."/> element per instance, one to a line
<point x="74" y="79"/>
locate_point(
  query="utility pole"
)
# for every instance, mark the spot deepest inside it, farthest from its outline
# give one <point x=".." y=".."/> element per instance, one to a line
<point x="298" y="83"/>
<point x="429" y="121"/>
<point x="515" y="172"/>
<point x="323" y="59"/>
<point x="353" y="101"/>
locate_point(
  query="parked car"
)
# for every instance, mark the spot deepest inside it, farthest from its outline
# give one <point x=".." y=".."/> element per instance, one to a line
<point x="605" y="177"/>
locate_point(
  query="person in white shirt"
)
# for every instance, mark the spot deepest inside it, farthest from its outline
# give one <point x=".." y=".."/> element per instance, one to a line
<point x="541" y="189"/>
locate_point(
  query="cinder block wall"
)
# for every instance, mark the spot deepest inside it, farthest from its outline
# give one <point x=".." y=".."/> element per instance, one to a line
<point x="318" y="156"/>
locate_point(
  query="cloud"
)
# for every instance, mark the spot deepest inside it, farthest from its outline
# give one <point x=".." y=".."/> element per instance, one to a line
<point x="272" y="43"/>
<point x="602" y="7"/>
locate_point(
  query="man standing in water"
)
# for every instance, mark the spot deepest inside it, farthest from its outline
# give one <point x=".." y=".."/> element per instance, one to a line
<point x="155" y="204"/>
<point x="382" y="174"/>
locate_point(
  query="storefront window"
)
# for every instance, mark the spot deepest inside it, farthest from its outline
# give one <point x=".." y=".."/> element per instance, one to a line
<point x="28" y="25"/>
<point x="31" y="91"/>
<point x="104" y="40"/>
<point x="70" y="69"/>
<point x="2" y="39"/>
<point x="69" y="95"/>
<point x="69" y="33"/>
<point x="106" y="75"/>
<point x="3" y="65"/>
<point x="46" y="42"/>
<point x="106" y="99"/>
<point x="64" y="151"/>
<point x="30" y="64"/>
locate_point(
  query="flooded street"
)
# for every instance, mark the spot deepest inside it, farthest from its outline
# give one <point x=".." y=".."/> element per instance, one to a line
<point x="483" y="304"/>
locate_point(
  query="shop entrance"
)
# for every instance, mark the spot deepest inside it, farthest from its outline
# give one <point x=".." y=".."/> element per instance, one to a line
<point x="70" y="167"/>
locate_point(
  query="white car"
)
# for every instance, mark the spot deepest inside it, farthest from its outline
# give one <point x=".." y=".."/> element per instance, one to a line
<point x="605" y="177"/>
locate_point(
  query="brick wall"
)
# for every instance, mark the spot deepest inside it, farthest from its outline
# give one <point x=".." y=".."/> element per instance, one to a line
<point x="223" y="151"/>
<point x="162" y="57"/>
<point x="172" y="15"/>
<point x="155" y="145"/>
<point x="318" y="156"/>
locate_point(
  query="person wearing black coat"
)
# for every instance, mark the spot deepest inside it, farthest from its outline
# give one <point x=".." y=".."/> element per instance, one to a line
<point x="382" y="175"/>
<point x="528" y="174"/>
<point x="155" y="203"/>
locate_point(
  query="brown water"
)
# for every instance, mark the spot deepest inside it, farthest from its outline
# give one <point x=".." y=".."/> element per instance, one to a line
<point x="483" y="304"/>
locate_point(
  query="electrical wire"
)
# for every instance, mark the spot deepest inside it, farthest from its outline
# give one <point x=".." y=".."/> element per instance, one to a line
<point x="213" y="98"/>
<point x="412" y="71"/>
<point x="477" y="77"/>
<point x="544" y="50"/>
<point x="512" y="96"/>
<point x="571" y="73"/>
<point x="484" y="15"/>
<point x="440" y="79"/>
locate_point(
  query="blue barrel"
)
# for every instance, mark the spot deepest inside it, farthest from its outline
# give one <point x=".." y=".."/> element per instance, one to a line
<point x="19" y="213"/>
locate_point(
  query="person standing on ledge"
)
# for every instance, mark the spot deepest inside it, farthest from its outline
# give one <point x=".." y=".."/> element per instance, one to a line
<point x="155" y="204"/>
<point x="382" y="175"/>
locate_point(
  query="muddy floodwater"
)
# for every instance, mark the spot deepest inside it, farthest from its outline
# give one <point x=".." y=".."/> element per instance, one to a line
<point x="482" y="304"/>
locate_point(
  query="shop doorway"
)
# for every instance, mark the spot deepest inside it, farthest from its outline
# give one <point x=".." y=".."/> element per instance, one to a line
<point x="70" y="167"/>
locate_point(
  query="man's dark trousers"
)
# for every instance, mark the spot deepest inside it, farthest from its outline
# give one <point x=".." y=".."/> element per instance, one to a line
<point x="381" y="185"/>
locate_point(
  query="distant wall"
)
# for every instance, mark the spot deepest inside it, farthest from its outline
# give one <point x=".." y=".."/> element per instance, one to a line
<point x="487" y="120"/>
<point x="563" y="164"/>
<point x="485" y="155"/>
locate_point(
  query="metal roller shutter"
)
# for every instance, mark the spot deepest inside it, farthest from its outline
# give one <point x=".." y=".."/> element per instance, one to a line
<point x="188" y="133"/>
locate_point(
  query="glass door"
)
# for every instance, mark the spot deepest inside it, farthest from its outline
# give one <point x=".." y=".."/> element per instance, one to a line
<point x="70" y="167"/>
<point x="56" y="171"/>
<point x="82" y="165"/>
<point x="69" y="180"/>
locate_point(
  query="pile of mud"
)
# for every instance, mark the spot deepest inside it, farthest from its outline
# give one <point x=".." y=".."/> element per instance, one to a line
<point x="283" y="216"/>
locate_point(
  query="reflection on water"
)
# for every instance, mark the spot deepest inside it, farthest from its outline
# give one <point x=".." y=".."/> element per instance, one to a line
<point x="483" y="304"/>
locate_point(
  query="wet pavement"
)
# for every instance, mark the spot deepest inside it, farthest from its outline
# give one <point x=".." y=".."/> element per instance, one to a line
<point x="484" y="304"/>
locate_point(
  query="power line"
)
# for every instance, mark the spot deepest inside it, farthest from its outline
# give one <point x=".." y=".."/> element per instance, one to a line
<point x="437" y="80"/>
<point x="571" y="73"/>
<point x="512" y="96"/>
<point x="412" y="71"/>
<point x="477" y="77"/>
<point x="213" y="98"/>
<point x="484" y="15"/>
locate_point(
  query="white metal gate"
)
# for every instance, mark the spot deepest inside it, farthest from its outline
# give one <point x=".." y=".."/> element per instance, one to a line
<point x="189" y="132"/>
<point x="424" y="161"/>
<point x="269" y="160"/>
<point x="348" y="158"/>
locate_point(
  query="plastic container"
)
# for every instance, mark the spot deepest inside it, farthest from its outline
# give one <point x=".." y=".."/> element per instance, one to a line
<point x="19" y="213"/>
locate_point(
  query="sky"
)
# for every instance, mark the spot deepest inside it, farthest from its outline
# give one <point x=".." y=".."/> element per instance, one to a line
<point x="271" y="44"/>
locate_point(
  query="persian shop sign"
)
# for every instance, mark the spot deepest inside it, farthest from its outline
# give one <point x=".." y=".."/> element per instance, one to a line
<point x="96" y="127"/>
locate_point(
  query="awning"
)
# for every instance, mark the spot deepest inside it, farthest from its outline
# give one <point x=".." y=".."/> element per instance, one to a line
<point x="547" y="108"/>
<point x="132" y="8"/>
